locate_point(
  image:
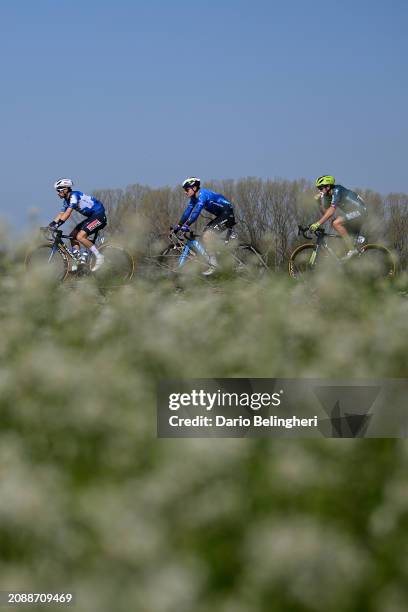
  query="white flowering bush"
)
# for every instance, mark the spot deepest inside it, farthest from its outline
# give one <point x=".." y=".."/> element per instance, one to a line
<point x="91" y="501"/>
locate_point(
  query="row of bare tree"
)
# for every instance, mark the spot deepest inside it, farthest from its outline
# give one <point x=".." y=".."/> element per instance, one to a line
<point x="268" y="212"/>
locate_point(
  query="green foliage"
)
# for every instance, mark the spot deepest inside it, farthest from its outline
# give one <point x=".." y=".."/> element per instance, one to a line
<point x="91" y="501"/>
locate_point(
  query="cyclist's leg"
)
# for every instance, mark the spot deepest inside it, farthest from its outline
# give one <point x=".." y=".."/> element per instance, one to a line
<point x="184" y="254"/>
<point x="351" y="224"/>
<point x="217" y="226"/>
<point x="209" y="244"/>
<point x="88" y="227"/>
<point x="354" y="224"/>
<point x="190" y="250"/>
<point x="91" y="225"/>
<point x="94" y="236"/>
<point x="341" y="225"/>
<point x="221" y="223"/>
<point x="200" y="249"/>
<point x="229" y="225"/>
<point x="74" y="236"/>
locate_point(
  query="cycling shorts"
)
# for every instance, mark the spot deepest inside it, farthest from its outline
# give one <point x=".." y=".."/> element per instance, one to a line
<point x="222" y="222"/>
<point x="90" y="225"/>
<point x="354" y="220"/>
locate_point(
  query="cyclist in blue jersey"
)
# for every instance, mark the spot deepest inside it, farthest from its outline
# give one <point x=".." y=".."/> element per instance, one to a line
<point x="354" y="210"/>
<point x="214" y="203"/>
<point x="89" y="207"/>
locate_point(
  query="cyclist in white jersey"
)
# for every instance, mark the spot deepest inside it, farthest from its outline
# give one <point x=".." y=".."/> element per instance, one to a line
<point x="89" y="207"/>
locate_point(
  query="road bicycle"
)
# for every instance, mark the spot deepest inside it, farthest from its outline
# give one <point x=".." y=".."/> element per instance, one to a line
<point x="186" y="251"/>
<point x="58" y="259"/>
<point x="376" y="259"/>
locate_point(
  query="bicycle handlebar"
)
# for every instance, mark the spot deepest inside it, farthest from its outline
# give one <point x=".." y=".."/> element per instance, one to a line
<point x="56" y="233"/>
<point x="319" y="232"/>
<point x="175" y="231"/>
<point x="304" y="230"/>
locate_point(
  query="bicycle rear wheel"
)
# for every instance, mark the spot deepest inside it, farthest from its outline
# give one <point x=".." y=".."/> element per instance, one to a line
<point x="301" y="261"/>
<point x="378" y="261"/>
<point x="53" y="263"/>
<point x="248" y="262"/>
<point x="118" y="266"/>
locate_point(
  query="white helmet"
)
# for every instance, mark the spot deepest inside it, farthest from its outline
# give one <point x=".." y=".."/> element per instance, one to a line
<point x="62" y="183"/>
<point x="191" y="181"/>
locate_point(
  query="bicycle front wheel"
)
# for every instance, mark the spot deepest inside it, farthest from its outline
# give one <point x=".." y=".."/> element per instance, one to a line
<point x="301" y="261"/>
<point x="378" y="261"/>
<point x="52" y="261"/>
<point x="118" y="265"/>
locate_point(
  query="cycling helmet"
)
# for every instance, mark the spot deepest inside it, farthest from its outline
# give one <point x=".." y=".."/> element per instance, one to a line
<point x="192" y="181"/>
<point x="62" y="183"/>
<point x="325" y="180"/>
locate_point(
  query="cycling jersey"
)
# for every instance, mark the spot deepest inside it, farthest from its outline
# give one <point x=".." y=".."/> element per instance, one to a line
<point x="343" y="198"/>
<point x="84" y="204"/>
<point x="212" y="202"/>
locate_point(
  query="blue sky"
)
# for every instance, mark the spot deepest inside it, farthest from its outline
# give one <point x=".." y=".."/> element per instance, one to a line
<point x="118" y="92"/>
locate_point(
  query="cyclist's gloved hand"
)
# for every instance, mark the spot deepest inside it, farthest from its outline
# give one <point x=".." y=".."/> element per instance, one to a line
<point x="54" y="224"/>
<point x="314" y="227"/>
<point x="185" y="228"/>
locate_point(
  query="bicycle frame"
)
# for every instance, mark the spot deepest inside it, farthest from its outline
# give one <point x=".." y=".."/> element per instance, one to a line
<point x="58" y="243"/>
<point x="386" y="265"/>
<point x="189" y="243"/>
<point x="55" y="252"/>
<point x="54" y="249"/>
<point x="192" y="244"/>
<point x="321" y="243"/>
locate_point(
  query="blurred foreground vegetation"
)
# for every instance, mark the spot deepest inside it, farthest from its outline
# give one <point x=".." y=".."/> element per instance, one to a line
<point x="91" y="501"/>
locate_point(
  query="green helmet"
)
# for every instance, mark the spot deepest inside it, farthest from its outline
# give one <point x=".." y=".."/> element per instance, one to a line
<point x="325" y="180"/>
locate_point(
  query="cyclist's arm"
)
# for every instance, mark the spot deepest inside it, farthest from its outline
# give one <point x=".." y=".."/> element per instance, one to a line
<point x="186" y="214"/>
<point x="66" y="214"/>
<point x="61" y="218"/>
<point x="195" y="213"/>
<point x="58" y="217"/>
<point x="328" y="213"/>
